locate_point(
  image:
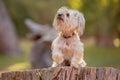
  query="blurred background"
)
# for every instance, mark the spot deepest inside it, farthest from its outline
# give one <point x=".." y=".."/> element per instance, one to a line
<point x="26" y="32"/>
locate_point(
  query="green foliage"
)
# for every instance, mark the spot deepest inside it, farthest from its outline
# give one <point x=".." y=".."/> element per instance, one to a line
<point x="102" y="16"/>
<point x="41" y="11"/>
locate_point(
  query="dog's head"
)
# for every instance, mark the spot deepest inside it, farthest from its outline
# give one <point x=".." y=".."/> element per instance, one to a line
<point x="68" y="21"/>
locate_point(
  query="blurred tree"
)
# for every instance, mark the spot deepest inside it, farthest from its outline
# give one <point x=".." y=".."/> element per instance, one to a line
<point x="116" y="23"/>
<point x="102" y="19"/>
<point x="41" y="11"/>
<point x="8" y="38"/>
<point x="107" y="22"/>
<point x="102" y="16"/>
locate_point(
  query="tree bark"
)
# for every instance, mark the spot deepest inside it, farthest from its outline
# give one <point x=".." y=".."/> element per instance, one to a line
<point x="64" y="73"/>
<point x="8" y="37"/>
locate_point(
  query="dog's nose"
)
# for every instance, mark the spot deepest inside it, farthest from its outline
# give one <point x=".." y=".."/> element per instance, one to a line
<point x="59" y="15"/>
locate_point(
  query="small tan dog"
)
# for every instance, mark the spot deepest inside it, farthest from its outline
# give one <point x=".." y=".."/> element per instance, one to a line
<point x="67" y="49"/>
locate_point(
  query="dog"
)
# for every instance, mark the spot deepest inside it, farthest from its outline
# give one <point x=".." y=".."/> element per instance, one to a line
<point x="67" y="49"/>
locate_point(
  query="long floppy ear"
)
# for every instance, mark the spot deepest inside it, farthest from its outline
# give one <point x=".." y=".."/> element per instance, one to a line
<point x="55" y="24"/>
<point x="81" y="24"/>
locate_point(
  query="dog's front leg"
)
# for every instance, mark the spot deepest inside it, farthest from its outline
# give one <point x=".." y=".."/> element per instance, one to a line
<point x="76" y="60"/>
<point x="57" y="57"/>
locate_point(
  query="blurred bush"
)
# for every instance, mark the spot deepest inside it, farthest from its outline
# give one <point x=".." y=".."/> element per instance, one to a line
<point x="41" y="11"/>
<point x="102" y="16"/>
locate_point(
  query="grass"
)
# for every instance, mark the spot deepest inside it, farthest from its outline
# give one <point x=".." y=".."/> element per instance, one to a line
<point x="9" y="63"/>
<point x="19" y="62"/>
<point x="102" y="56"/>
<point x="94" y="56"/>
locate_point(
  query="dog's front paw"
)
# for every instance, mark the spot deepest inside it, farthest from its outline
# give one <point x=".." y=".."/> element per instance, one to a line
<point x="82" y="63"/>
<point x="54" y="64"/>
<point x="57" y="60"/>
<point x="76" y="63"/>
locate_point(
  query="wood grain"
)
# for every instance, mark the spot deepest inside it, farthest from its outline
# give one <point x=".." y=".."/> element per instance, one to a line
<point x="64" y="73"/>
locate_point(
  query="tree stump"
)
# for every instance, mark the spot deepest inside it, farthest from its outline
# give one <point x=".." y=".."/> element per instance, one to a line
<point x="64" y="73"/>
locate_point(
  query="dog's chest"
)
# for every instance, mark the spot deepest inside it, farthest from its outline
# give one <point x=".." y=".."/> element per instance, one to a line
<point x="69" y="47"/>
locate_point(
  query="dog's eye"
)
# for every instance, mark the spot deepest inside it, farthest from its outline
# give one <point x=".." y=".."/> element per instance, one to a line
<point x="67" y="15"/>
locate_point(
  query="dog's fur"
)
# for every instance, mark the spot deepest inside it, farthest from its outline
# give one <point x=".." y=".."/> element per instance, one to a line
<point x="67" y="49"/>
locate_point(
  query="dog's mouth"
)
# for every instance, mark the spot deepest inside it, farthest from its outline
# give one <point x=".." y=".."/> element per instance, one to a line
<point x="68" y="36"/>
<point x="60" y="18"/>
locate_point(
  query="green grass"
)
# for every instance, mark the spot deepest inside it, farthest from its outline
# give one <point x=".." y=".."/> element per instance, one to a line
<point x="7" y="62"/>
<point x="19" y="62"/>
<point x="94" y="56"/>
<point x="102" y="56"/>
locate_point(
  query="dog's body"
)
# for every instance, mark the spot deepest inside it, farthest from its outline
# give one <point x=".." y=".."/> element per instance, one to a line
<point x="67" y="49"/>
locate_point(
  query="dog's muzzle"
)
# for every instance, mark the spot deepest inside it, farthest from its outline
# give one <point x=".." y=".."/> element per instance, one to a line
<point x="60" y="16"/>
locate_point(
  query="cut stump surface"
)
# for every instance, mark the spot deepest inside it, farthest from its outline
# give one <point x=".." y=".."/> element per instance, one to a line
<point x="64" y="73"/>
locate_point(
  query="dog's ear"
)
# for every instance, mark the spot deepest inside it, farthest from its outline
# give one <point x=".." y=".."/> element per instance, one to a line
<point x="81" y="23"/>
<point x="55" y="24"/>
